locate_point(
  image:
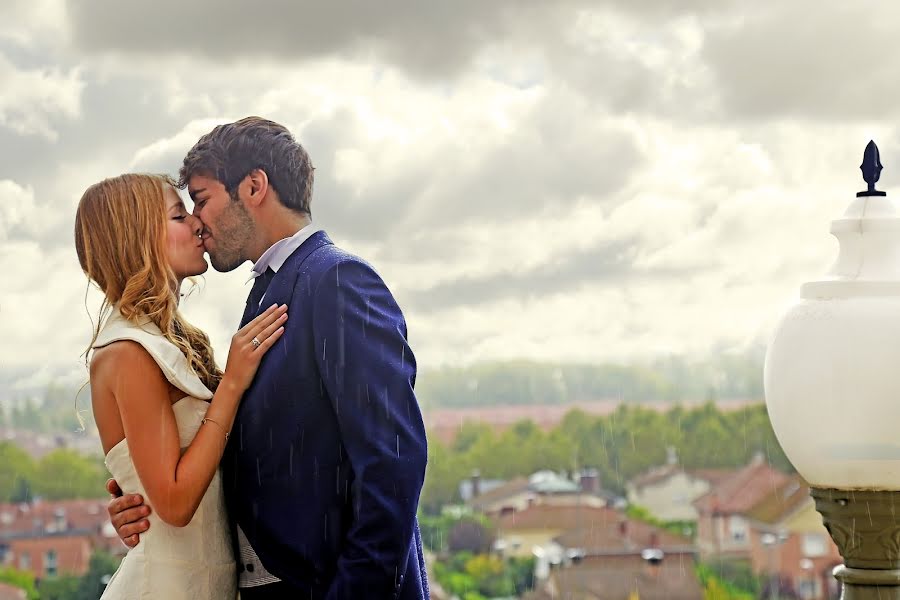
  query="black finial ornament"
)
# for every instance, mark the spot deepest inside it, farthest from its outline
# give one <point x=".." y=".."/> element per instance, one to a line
<point x="871" y="170"/>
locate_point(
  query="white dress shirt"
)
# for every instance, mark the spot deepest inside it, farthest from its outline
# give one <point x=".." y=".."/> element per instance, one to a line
<point x="252" y="573"/>
<point x="275" y="257"/>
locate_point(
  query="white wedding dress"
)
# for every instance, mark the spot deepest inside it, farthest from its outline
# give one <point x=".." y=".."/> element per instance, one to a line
<point x="195" y="562"/>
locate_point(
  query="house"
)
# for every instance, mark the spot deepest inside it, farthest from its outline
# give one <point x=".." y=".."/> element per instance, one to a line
<point x="623" y="578"/>
<point x="10" y="592"/>
<point x="543" y="487"/>
<point x="581" y="533"/>
<point x="668" y="491"/>
<point x="615" y="535"/>
<point x="476" y="486"/>
<point x="789" y="541"/>
<point x="50" y="555"/>
<point x="578" y="548"/>
<point x="48" y="538"/>
<point x="532" y="530"/>
<point x="723" y="530"/>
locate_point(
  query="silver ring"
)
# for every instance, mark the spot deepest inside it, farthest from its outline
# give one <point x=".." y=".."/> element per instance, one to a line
<point x="256" y="343"/>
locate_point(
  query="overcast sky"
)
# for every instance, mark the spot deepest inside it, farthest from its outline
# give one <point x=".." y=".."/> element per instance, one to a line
<point x="566" y="181"/>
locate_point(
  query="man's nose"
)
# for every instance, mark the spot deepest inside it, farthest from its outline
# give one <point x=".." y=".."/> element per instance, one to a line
<point x="196" y="226"/>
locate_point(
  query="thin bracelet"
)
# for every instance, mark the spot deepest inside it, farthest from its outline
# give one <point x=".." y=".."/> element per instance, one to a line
<point x="205" y="419"/>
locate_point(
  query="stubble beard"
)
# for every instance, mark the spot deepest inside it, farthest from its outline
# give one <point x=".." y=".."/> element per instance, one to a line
<point x="235" y="228"/>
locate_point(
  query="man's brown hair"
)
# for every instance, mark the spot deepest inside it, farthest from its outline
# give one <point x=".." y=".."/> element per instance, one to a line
<point x="231" y="151"/>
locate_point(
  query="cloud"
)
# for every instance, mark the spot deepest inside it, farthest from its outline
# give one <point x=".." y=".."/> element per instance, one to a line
<point x="562" y="181"/>
<point x="166" y="155"/>
<point x="21" y="216"/>
<point x="430" y="40"/>
<point x="32" y="23"/>
<point x="33" y="99"/>
<point x="802" y="60"/>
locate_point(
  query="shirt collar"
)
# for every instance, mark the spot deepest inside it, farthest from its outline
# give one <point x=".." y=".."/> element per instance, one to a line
<point x="280" y="251"/>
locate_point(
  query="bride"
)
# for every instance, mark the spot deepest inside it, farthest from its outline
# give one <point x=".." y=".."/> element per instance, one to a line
<point x="163" y="409"/>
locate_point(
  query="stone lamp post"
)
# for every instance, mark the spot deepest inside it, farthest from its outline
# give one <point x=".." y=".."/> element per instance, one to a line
<point x="832" y="382"/>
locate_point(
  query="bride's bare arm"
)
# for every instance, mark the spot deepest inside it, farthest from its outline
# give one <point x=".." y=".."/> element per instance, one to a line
<point x="175" y="482"/>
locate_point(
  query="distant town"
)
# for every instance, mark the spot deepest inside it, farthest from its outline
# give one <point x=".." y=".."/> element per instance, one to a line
<point x="616" y="498"/>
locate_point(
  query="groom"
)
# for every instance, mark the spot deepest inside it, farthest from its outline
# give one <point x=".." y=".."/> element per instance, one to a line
<point x="327" y="456"/>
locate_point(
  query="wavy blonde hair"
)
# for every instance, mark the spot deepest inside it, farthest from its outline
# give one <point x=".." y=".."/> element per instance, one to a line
<point x="120" y="238"/>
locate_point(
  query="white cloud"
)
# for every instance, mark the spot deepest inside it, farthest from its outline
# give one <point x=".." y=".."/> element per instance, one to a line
<point x="33" y="99"/>
<point x="165" y="155"/>
<point x="566" y="182"/>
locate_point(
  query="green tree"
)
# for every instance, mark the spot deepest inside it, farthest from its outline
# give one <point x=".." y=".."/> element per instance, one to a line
<point x="469" y="433"/>
<point x="101" y="566"/>
<point x="444" y="473"/>
<point x="61" y="587"/>
<point x="490" y="575"/>
<point x="16" y="470"/>
<point x="87" y="587"/>
<point x="66" y="474"/>
<point x="19" y="579"/>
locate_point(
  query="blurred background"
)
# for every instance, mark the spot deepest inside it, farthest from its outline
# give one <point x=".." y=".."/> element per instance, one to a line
<point x="591" y="213"/>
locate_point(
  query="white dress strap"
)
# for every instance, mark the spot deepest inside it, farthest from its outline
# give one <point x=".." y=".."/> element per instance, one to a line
<point x="167" y="355"/>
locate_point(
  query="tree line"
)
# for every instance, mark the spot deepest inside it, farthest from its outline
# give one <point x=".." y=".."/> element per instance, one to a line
<point x="670" y="379"/>
<point x="60" y="475"/>
<point x="620" y="445"/>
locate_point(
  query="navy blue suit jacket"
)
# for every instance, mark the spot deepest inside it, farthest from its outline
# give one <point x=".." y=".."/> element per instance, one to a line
<point x="327" y="455"/>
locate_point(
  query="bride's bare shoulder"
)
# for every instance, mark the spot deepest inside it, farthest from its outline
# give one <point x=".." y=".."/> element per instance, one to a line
<point x="122" y="358"/>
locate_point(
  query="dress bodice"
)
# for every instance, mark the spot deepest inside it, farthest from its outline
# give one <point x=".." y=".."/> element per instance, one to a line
<point x="195" y="562"/>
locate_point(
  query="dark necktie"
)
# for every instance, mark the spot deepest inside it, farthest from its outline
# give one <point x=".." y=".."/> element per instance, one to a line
<point x="260" y="285"/>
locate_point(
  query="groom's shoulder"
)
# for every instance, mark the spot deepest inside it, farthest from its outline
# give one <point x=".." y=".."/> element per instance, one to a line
<point x="332" y="263"/>
<point x="331" y="256"/>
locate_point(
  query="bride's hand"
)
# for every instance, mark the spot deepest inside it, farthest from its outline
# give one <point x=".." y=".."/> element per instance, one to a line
<point x="250" y="343"/>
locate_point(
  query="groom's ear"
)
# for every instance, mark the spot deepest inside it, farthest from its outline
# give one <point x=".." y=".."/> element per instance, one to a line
<point x="258" y="187"/>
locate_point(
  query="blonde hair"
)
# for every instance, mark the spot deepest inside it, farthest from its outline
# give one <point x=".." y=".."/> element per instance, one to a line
<point x="120" y="238"/>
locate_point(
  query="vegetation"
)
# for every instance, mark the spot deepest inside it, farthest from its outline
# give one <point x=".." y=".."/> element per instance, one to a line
<point x="671" y="379"/>
<point x="64" y="587"/>
<point x="728" y="581"/>
<point x="54" y="410"/>
<point x="686" y="529"/>
<point x="61" y="474"/>
<point x="466" y="567"/>
<point x="620" y="445"/>
<point x="20" y="579"/>
<point x="88" y="587"/>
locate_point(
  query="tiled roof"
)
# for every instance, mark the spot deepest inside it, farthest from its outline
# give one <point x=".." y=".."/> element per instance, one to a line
<point x="593" y="529"/>
<point x="606" y="539"/>
<point x="655" y="475"/>
<point x="484" y="485"/>
<point x="661" y="473"/>
<point x="781" y="503"/>
<point x="542" y="483"/>
<point x="44" y="517"/>
<point x="713" y="476"/>
<point x="555" y="517"/>
<point x="742" y="490"/>
<point x="507" y="490"/>
<point x="10" y="592"/>
<point x="628" y="577"/>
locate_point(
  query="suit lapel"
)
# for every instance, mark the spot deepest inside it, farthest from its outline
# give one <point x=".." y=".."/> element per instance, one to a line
<point x="281" y="290"/>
